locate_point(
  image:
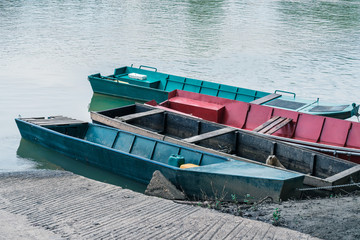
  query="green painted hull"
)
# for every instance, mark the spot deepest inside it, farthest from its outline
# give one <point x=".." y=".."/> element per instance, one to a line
<point x="157" y="85"/>
<point x="121" y="89"/>
<point x="138" y="157"/>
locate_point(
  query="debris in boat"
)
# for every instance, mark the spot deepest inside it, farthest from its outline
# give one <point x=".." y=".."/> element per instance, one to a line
<point x="137" y="76"/>
<point x="159" y="186"/>
<point x="273" y="161"/>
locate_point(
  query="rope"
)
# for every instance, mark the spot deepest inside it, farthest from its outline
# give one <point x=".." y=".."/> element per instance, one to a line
<point x="330" y="187"/>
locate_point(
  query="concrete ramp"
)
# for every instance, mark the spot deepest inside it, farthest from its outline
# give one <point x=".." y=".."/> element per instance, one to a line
<point x="61" y="205"/>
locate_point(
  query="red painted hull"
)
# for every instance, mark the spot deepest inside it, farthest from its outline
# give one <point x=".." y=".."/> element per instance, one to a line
<point x="336" y="136"/>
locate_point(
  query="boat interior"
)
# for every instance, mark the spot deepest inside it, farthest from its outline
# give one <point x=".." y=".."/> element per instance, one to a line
<point x="130" y="143"/>
<point x="227" y="140"/>
<point x="166" y="153"/>
<point x="167" y="82"/>
<point x="267" y="120"/>
<point x="149" y="77"/>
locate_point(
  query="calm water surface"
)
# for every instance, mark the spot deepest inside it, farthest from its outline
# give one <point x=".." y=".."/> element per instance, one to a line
<point x="48" y="48"/>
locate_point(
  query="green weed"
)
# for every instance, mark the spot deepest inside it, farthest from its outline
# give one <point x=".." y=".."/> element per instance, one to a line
<point x="234" y="198"/>
<point x="276" y="217"/>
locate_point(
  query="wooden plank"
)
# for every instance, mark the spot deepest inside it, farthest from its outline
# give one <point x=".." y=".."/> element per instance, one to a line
<point x="257" y="129"/>
<point x="57" y="120"/>
<point x="312" y="164"/>
<point x="343" y="176"/>
<point x="265" y="99"/>
<point x="282" y="124"/>
<point x="272" y="125"/>
<point x="208" y="135"/>
<point x="316" y="181"/>
<point x="139" y="115"/>
<point x="60" y="122"/>
<point x="32" y="118"/>
<point x="37" y="119"/>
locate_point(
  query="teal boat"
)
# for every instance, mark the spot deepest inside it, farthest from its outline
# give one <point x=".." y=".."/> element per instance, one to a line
<point x="199" y="174"/>
<point x="146" y="83"/>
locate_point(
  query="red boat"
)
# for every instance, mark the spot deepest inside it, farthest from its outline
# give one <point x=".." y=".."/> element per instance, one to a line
<point x="329" y="135"/>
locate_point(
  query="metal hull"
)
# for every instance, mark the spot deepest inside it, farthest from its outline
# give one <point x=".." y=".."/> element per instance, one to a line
<point x="100" y="146"/>
<point x="109" y="87"/>
<point x="332" y="135"/>
<point x="320" y="169"/>
<point x="157" y="85"/>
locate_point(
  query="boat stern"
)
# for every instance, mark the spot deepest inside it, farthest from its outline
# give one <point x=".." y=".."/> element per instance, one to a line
<point x="355" y="110"/>
<point x="240" y="179"/>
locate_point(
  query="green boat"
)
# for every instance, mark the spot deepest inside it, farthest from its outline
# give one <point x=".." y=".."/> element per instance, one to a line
<point x="199" y="174"/>
<point x="146" y="83"/>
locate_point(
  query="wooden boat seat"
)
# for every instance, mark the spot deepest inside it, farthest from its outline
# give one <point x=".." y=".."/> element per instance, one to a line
<point x="208" y="135"/>
<point x="202" y="109"/>
<point x="139" y="115"/>
<point x="335" y="132"/>
<point x="353" y="140"/>
<point x="265" y="99"/>
<point x="256" y="115"/>
<point x="272" y="125"/>
<point x="309" y="127"/>
<point x="54" y="120"/>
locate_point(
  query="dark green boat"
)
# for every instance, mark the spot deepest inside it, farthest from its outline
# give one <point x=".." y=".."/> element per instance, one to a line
<point x="137" y="157"/>
<point x="146" y="85"/>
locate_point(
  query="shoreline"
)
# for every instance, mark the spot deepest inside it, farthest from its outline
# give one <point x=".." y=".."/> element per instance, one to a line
<point x="326" y="218"/>
<point x="48" y="204"/>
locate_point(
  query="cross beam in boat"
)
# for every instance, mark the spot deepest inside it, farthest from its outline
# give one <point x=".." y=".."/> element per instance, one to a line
<point x="55" y="120"/>
<point x="139" y="115"/>
<point x="265" y="99"/>
<point x="272" y="125"/>
<point x="344" y="176"/>
<point x="208" y="135"/>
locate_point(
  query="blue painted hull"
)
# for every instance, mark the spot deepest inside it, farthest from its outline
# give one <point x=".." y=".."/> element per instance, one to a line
<point x="100" y="146"/>
<point x="120" y="89"/>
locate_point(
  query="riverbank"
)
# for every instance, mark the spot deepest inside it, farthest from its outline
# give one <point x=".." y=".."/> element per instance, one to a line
<point x="328" y="218"/>
<point x="335" y="217"/>
<point x="61" y="205"/>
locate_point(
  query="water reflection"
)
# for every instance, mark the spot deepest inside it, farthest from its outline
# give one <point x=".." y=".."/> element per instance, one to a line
<point x="206" y="18"/>
<point x="102" y="102"/>
<point x="205" y="12"/>
<point x="44" y="158"/>
<point x="340" y="15"/>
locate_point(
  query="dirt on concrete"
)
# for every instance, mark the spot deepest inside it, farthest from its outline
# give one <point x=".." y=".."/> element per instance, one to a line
<point x="60" y="205"/>
<point x="334" y="217"/>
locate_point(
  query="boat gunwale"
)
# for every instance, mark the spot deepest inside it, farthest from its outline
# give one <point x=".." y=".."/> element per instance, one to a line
<point x="89" y="142"/>
<point x="304" y="144"/>
<point x="104" y="78"/>
<point x="256" y="95"/>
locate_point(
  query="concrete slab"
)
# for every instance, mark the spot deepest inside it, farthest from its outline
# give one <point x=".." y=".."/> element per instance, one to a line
<point x="62" y="205"/>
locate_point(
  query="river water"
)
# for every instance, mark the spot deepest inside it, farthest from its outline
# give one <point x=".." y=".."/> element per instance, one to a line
<point x="49" y="47"/>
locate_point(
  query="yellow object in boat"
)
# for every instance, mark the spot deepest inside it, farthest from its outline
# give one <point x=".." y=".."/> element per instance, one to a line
<point x="188" y="165"/>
